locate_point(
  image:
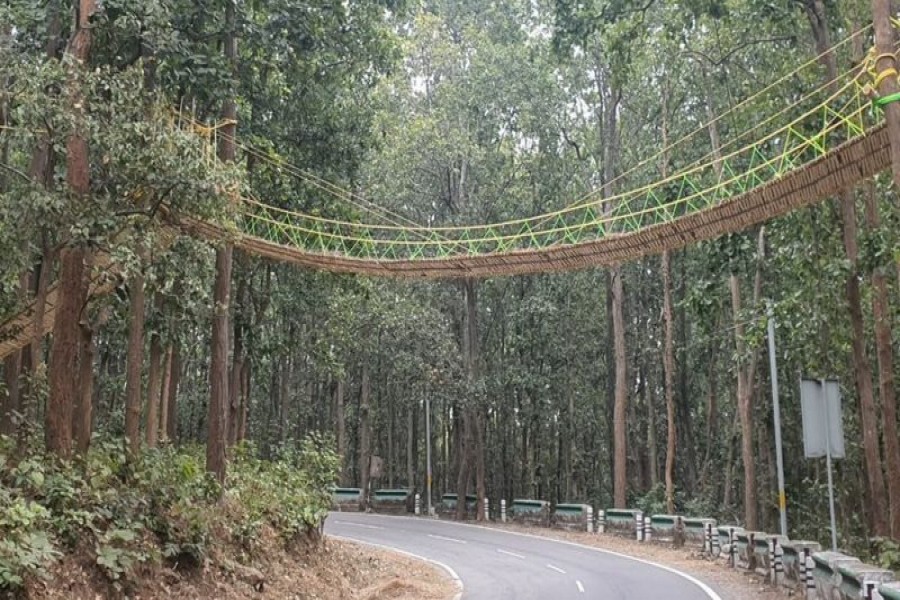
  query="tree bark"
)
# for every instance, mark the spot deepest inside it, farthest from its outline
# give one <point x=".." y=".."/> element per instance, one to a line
<point x="83" y="414"/>
<point x="64" y="354"/>
<point x="237" y="365"/>
<point x="341" y="429"/>
<point x="155" y="376"/>
<point x="64" y="350"/>
<point x="620" y="411"/>
<point x="745" y="382"/>
<point x="884" y="336"/>
<point x="884" y="41"/>
<point x="862" y="370"/>
<point x="365" y="435"/>
<point x="134" y="360"/>
<point x="244" y="410"/>
<point x="669" y="367"/>
<point x="164" y="395"/>
<point x="218" y="369"/>
<point x="172" y="395"/>
<point x="669" y="323"/>
<point x="412" y="443"/>
<point x="884" y="47"/>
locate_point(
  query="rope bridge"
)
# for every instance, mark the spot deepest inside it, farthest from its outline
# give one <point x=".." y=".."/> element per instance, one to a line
<point x="833" y="137"/>
<point x="819" y="144"/>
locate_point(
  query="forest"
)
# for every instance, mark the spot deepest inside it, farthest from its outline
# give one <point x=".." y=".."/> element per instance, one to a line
<point x="645" y="384"/>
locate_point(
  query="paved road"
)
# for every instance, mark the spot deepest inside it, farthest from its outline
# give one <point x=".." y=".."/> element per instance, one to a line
<point x="500" y="565"/>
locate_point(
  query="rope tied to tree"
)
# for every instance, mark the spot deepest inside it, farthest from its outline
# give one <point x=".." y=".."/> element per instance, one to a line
<point x="878" y="77"/>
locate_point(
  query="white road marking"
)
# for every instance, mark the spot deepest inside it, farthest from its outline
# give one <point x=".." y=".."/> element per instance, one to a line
<point x="508" y="553"/>
<point x="705" y="588"/>
<point x="447" y="539"/>
<point x="362" y="525"/>
<point x="557" y="569"/>
<point x="580" y="587"/>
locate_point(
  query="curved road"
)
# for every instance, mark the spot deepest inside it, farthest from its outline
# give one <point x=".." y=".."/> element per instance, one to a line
<point x="494" y="564"/>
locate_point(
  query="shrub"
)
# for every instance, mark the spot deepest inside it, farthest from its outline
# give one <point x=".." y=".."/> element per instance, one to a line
<point x="162" y="506"/>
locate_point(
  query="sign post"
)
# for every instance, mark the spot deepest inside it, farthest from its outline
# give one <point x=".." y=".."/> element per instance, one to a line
<point x="823" y="431"/>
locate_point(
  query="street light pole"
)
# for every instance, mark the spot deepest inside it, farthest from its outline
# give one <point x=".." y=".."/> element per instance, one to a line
<point x="776" y="409"/>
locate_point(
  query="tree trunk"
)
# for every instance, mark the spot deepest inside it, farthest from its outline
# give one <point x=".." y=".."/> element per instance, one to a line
<point x="64" y="350"/>
<point x="154" y="386"/>
<point x="815" y="10"/>
<point x="881" y="310"/>
<point x="40" y="306"/>
<point x="244" y="411"/>
<point x="9" y="404"/>
<point x="464" y="456"/>
<point x="64" y="353"/>
<point x="884" y="47"/>
<point x="83" y="414"/>
<point x="218" y="368"/>
<point x="648" y="395"/>
<point x="365" y="435"/>
<point x="237" y="364"/>
<point x="669" y="368"/>
<point x="862" y="370"/>
<point x="745" y="412"/>
<point x="172" y="395"/>
<point x="134" y="364"/>
<point x="745" y="382"/>
<point x="412" y="430"/>
<point x="164" y="397"/>
<point x="341" y="430"/>
<point x="620" y="479"/>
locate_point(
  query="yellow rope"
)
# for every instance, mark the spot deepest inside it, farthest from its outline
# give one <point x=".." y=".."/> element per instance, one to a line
<point x="347" y="195"/>
<point x="618" y="197"/>
<point x="584" y="200"/>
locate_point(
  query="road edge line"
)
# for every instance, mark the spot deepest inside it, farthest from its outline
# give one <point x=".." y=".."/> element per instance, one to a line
<point x="703" y="586"/>
<point x="447" y="568"/>
<point x="713" y="595"/>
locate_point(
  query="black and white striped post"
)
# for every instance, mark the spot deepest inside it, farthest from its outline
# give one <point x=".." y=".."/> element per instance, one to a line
<point x="732" y="548"/>
<point x="590" y="519"/>
<point x="503" y="510"/>
<point x="810" y="582"/>
<point x="776" y="570"/>
<point x="487" y="509"/>
<point x="869" y="590"/>
<point x="418" y="505"/>
<point x="639" y="526"/>
<point x="601" y="521"/>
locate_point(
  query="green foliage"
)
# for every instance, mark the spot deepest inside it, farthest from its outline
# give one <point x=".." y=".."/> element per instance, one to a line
<point x="291" y="493"/>
<point x="886" y="553"/>
<point x="163" y="506"/>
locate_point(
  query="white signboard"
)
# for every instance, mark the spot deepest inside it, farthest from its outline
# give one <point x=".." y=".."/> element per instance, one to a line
<point x="820" y="403"/>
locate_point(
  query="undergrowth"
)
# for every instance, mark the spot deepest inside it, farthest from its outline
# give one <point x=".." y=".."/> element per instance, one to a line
<point x="130" y="516"/>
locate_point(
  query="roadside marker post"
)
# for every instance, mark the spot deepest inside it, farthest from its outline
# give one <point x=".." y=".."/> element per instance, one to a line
<point x="503" y="510"/>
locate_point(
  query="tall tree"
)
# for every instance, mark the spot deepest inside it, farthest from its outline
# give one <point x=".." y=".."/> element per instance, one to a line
<point x="218" y="369"/>
<point x="73" y="295"/>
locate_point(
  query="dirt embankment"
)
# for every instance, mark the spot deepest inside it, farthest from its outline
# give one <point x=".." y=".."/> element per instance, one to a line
<point x="331" y="570"/>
